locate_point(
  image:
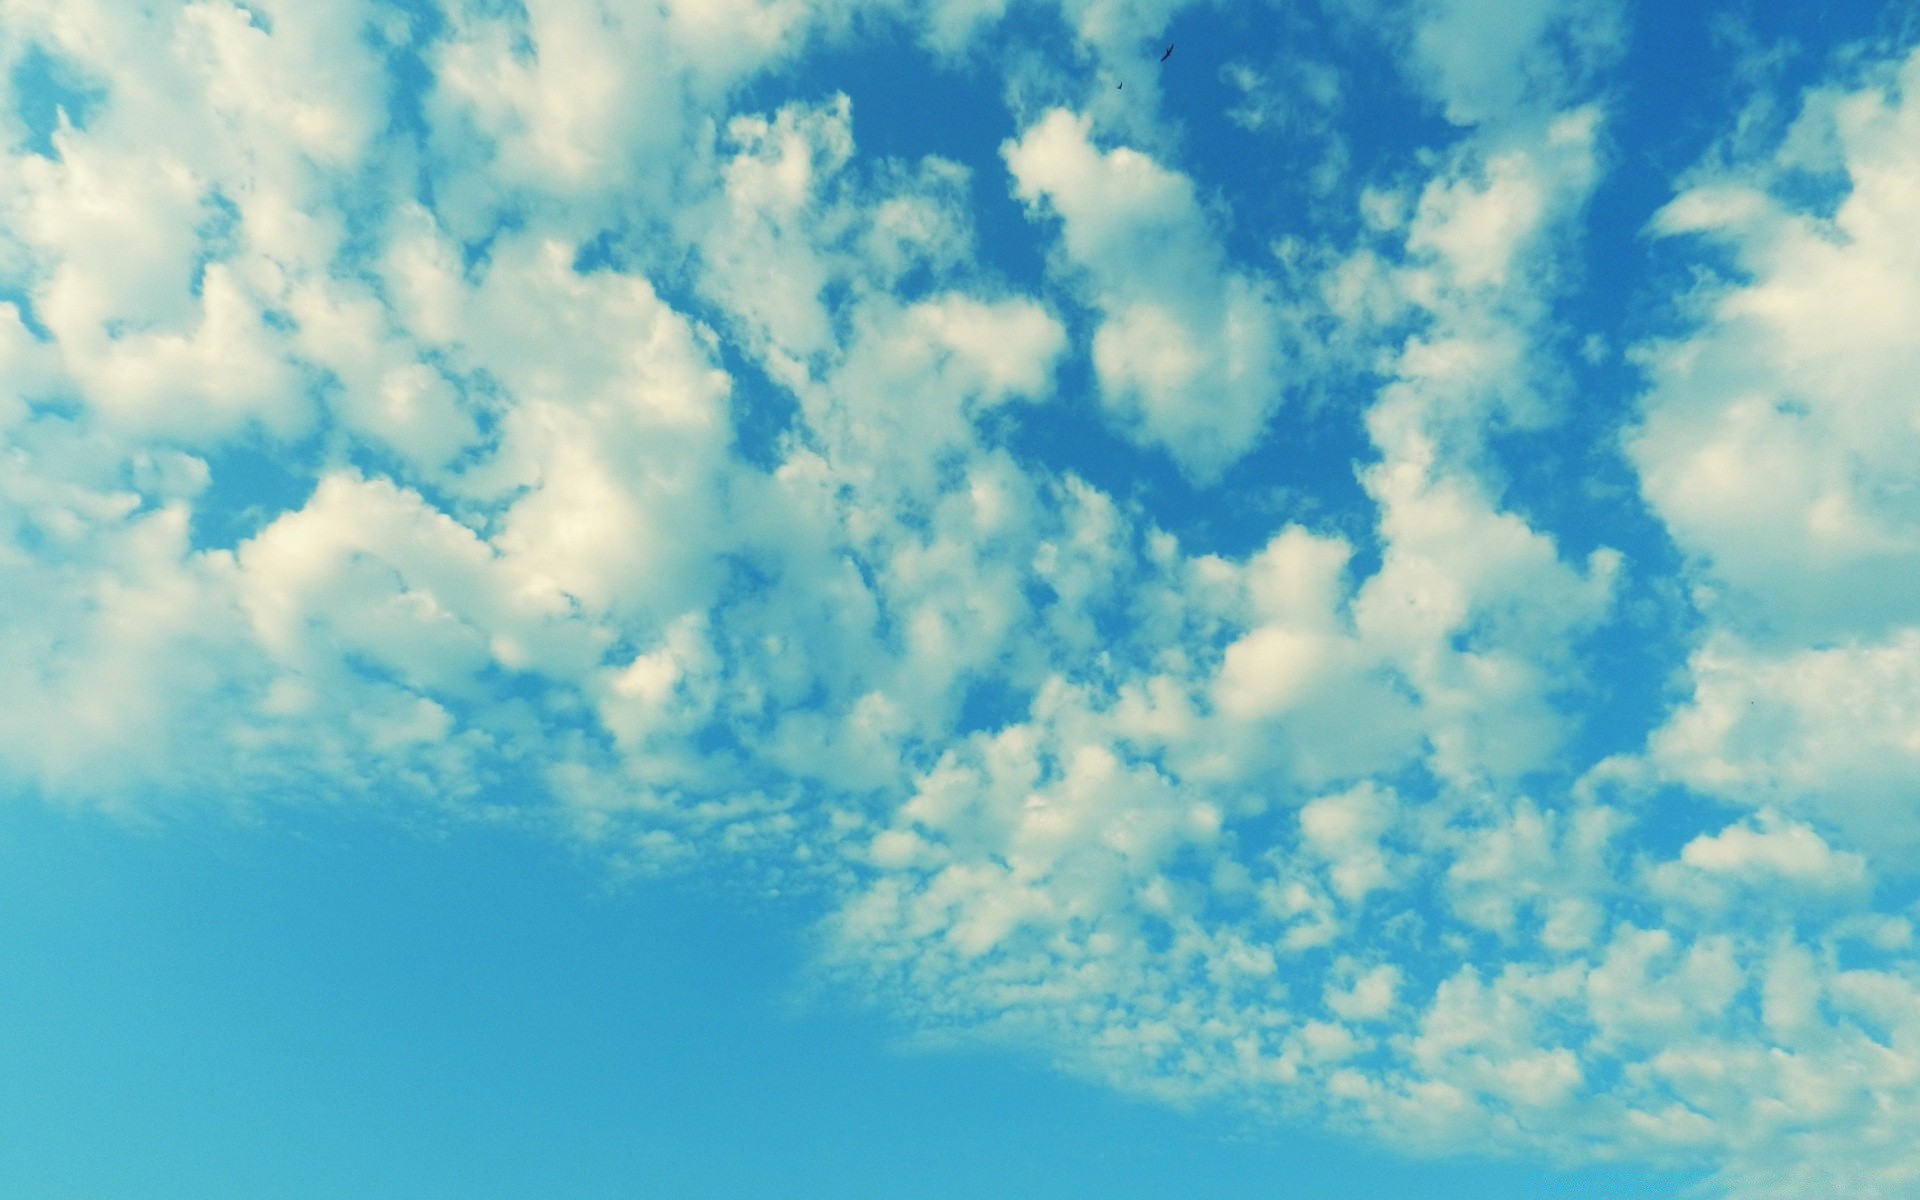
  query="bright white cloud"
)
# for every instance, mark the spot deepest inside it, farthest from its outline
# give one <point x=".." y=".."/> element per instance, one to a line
<point x="1833" y="732"/>
<point x="1792" y="852"/>
<point x="1777" y="444"/>
<point x="1778" y="438"/>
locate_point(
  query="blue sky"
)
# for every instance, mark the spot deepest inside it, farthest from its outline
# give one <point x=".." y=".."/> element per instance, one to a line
<point x="899" y="597"/>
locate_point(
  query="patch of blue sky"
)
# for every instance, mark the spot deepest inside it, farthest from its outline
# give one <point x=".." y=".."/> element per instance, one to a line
<point x="342" y="1005"/>
<point x="253" y="482"/>
<point x="46" y="87"/>
<point x="763" y="413"/>
<point x="1285" y="113"/>
<point x="217" y="242"/>
<point x="409" y="71"/>
<point x="22" y="302"/>
<point x="1630" y="671"/>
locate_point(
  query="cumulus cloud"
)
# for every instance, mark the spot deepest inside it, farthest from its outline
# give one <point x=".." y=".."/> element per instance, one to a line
<point x="1776" y="440"/>
<point x="1187" y="351"/>
<point x="1776" y="444"/>
<point x="651" y="470"/>
<point x="1745" y="860"/>
<point x="1827" y="731"/>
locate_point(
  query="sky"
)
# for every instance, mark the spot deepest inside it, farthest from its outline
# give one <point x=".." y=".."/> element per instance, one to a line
<point x="838" y="598"/>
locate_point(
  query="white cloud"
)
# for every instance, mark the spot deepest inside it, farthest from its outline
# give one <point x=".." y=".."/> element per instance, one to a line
<point x="1777" y="439"/>
<point x="764" y="253"/>
<point x="552" y="93"/>
<point x="615" y="438"/>
<point x="310" y="88"/>
<point x="1298" y="584"/>
<point x="915" y="379"/>
<point x="1345" y="831"/>
<point x="1460" y="607"/>
<point x="1458" y="612"/>
<point x="1793" y="852"/>
<point x="1370" y="997"/>
<point x="388" y="396"/>
<point x="120" y="654"/>
<point x="367" y="569"/>
<point x="1187" y="352"/>
<point x="1776" y="443"/>
<point x="1834" y="733"/>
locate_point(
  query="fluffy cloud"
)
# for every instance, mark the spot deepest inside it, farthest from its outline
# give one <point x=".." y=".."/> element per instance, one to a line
<point x="1743" y="861"/>
<point x="649" y="464"/>
<point x="1831" y="732"/>
<point x="1776" y="440"/>
<point x="1776" y="444"/>
<point x="1187" y="351"/>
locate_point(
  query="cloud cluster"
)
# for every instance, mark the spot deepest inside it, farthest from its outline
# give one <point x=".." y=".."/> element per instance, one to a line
<point x="1776" y="444"/>
<point x="488" y="407"/>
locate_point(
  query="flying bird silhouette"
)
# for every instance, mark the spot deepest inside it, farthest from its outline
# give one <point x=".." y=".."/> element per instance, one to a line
<point x="1168" y="54"/>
